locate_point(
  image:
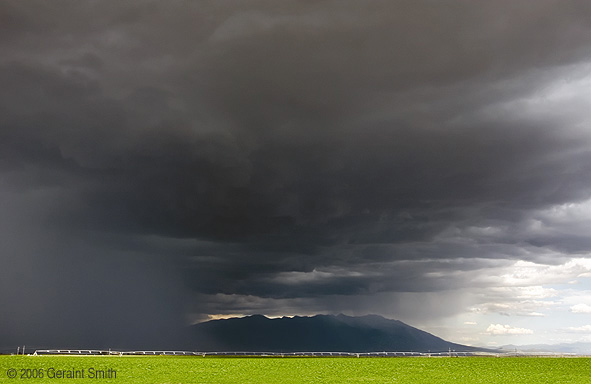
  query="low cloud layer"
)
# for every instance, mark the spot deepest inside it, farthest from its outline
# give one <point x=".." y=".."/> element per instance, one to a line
<point x="165" y="162"/>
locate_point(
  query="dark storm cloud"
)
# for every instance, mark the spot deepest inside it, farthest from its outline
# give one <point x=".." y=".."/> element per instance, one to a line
<point x="291" y="150"/>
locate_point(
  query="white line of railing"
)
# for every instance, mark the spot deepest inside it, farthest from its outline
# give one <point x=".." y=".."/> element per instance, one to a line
<point x="294" y="354"/>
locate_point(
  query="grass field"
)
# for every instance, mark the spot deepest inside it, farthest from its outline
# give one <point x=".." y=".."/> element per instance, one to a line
<point x="167" y="369"/>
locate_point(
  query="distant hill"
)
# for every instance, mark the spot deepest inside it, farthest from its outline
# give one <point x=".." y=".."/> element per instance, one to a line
<point x="318" y="333"/>
<point x="580" y="348"/>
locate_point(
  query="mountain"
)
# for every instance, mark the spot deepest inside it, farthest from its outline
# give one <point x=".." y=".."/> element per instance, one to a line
<point x="339" y="333"/>
<point x="579" y="348"/>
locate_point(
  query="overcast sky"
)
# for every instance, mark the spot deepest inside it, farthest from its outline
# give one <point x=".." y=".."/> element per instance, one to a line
<point x="164" y="163"/>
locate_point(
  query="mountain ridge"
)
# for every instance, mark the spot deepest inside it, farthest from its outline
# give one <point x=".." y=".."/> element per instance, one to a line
<point x="336" y="333"/>
<point x="578" y="348"/>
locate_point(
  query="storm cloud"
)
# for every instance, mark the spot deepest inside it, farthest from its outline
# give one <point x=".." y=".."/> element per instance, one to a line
<point x="165" y="162"/>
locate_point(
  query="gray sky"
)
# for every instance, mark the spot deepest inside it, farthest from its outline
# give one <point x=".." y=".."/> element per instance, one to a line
<point x="162" y="163"/>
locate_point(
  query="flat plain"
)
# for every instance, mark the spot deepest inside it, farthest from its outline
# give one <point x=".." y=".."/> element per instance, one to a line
<point x="215" y="370"/>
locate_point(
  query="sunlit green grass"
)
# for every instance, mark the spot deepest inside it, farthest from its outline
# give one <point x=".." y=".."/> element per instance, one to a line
<point x="170" y="369"/>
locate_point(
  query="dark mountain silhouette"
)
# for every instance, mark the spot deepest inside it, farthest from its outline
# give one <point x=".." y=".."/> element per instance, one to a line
<point x="318" y="333"/>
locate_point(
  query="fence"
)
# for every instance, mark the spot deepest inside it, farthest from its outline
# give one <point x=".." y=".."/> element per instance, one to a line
<point x="290" y="354"/>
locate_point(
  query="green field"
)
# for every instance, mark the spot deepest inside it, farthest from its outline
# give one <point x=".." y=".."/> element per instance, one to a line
<point x="169" y="369"/>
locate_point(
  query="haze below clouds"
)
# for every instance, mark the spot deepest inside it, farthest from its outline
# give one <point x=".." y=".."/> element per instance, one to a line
<point x="165" y="163"/>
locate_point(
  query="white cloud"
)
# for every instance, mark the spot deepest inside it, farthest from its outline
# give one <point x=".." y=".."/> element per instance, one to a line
<point x="580" y="308"/>
<point x="582" y="329"/>
<point x="524" y="293"/>
<point x="505" y="306"/>
<point x="499" y="329"/>
<point x="525" y="273"/>
<point x="470" y="323"/>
